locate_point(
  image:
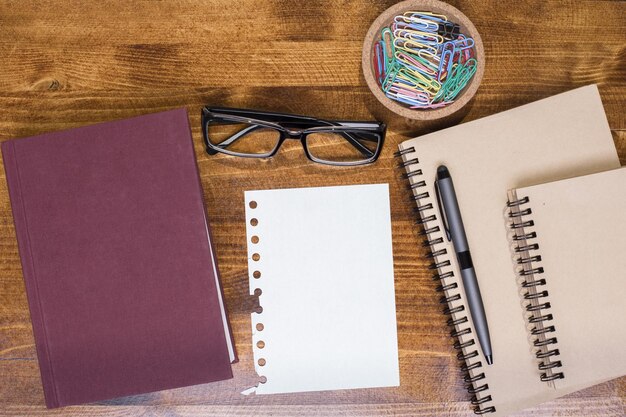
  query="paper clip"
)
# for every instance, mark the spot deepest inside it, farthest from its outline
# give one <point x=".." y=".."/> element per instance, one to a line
<point x="391" y="76"/>
<point x="415" y="63"/>
<point x="422" y="60"/>
<point x="447" y="56"/>
<point x="412" y="46"/>
<point x="378" y="62"/>
<point x="388" y="45"/>
<point x="437" y="18"/>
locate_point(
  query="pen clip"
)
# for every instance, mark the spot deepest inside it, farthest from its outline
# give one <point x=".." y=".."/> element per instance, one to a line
<point x="444" y="218"/>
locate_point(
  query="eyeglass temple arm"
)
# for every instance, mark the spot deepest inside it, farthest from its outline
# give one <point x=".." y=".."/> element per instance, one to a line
<point x="286" y="118"/>
<point x="367" y="125"/>
<point x="348" y="136"/>
<point x="232" y="139"/>
<point x="262" y="115"/>
<point x="356" y="144"/>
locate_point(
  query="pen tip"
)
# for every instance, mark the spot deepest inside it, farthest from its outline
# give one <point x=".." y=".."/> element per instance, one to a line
<point x="489" y="359"/>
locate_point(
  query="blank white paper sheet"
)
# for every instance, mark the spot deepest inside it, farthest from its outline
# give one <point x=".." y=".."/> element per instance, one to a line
<point x="322" y="258"/>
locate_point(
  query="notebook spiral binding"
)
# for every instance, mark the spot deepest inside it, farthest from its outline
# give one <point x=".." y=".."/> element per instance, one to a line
<point x="457" y="316"/>
<point x="530" y="271"/>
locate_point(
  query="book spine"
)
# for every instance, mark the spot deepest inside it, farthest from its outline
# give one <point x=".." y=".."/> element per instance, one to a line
<point x="458" y="321"/>
<point x="228" y="331"/>
<point x="30" y="277"/>
<point x="532" y="284"/>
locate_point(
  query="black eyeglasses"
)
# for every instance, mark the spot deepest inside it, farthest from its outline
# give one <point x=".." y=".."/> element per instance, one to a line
<point x="258" y="134"/>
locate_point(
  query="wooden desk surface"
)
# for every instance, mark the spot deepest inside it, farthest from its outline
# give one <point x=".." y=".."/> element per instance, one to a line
<point x="68" y="64"/>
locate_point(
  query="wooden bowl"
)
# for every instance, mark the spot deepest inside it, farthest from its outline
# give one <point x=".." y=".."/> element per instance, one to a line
<point x="454" y="15"/>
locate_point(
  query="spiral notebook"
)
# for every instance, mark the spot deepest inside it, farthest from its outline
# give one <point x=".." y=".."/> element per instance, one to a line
<point x="569" y="237"/>
<point x="559" y="137"/>
<point x="321" y="261"/>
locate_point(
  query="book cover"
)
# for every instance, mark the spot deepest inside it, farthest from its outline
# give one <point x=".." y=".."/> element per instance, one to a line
<point x="117" y="260"/>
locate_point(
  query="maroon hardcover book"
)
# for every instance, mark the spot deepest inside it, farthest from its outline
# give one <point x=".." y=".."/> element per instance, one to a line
<point x="120" y="274"/>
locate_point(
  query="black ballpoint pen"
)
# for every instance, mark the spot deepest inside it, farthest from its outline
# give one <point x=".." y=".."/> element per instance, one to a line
<point x="453" y="223"/>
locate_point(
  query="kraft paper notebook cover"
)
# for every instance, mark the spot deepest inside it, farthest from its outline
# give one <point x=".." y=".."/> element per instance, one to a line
<point x="571" y="237"/>
<point x="322" y="259"/>
<point x="559" y="137"/>
<point x="120" y="275"/>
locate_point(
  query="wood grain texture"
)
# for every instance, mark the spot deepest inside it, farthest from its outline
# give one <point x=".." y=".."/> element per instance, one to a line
<point x="67" y="64"/>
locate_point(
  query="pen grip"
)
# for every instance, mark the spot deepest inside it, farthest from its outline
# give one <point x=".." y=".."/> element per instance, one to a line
<point x="476" y="308"/>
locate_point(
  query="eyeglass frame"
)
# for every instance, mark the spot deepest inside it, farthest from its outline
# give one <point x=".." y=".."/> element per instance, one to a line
<point x="274" y="120"/>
